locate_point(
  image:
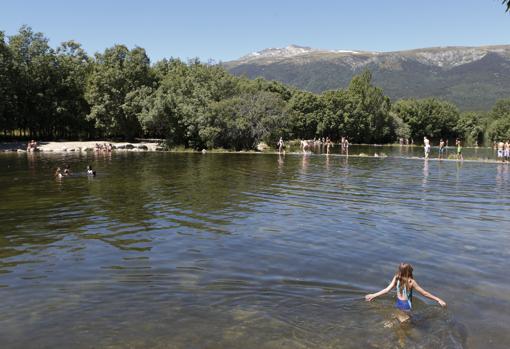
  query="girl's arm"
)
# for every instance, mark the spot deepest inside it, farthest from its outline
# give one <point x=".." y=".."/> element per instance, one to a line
<point x="428" y="294"/>
<point x="371" y="296"/>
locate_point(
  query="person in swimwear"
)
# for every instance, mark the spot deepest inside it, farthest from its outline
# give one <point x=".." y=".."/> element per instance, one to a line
<point x="280" y="145"/>
<point x="328" y="145"/>
<point x="458" y="143"/>
<point x="404" y="284"/>
<point x="90" y="171"/>
<point x="426" y="145"/>
<point x="501" y="147"/>
<point x="441" y="148"/>
<point x="58" y="173"/>
<point x="506" y="151"/>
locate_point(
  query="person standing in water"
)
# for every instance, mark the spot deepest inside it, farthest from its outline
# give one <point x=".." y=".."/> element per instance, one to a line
<point x="58" y="173"/>
<point x="459" y="149"/>
<point x="426" y="145"/>
<point x="441" y="148"/>
<point x="404" y="284"/>
<point x="328" y="145"/>
<point x="90" y="171"/>
<point x="280" y="145"/>
<point x="506" y="151"/>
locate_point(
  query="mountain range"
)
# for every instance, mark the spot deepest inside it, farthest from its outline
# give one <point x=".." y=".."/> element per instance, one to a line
<point x="473" y="78"/>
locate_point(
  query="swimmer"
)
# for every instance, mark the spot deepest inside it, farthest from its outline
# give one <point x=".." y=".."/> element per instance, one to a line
<point x="404" y="284"/>
<point x="506" y="151"/>
<point x="58" y="173"/>
<point x="90" y="171"/>
<point x="67" y="170"/>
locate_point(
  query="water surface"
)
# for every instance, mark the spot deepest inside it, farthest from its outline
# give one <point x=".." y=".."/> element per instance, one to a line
<point x="164" y="250"/>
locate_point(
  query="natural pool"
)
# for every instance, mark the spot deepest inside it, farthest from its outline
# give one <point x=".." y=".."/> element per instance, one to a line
<point x="165" y="250"/>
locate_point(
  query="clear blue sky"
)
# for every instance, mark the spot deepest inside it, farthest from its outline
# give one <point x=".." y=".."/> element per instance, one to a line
<point x="225" y="30"/>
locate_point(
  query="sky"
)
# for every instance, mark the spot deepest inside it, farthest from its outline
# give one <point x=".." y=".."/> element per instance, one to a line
<point x="223" y="30"/>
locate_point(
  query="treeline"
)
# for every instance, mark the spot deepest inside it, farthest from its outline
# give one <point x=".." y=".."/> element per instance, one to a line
<point x="49" y="93"/>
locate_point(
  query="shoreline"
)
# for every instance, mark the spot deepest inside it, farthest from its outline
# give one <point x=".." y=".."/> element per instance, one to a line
<point x="79" y="146"/>
<point x="60" y="147"/>
<point x="86" y="146"/>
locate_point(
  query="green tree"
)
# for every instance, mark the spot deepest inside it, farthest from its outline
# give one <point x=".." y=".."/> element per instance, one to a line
<point x="34" y="68"/>
<point x="241" y="122"/>
<point x="367" y="113"/>
<point x="73" y="68"/>
<point x="471" y="127"/>
<point x="117" y="72"/>
<point x="428" y="117"/>
<point x="499" y="121"/>
<point x="7" y="97"/>
<point x="303" y="109"/>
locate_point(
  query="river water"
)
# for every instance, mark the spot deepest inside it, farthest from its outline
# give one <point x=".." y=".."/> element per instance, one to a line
<point x="167" y="250"/>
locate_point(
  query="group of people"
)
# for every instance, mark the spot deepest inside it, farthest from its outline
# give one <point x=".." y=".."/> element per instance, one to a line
<point x="59" y="173"/>
<point x="405" y="141"/>
<point x="106" y="147"/>
<point x="443" y="146"/>
<point x="327" y="143"/>
<point x="32" y="146"/>
<point x="503" y="150"/>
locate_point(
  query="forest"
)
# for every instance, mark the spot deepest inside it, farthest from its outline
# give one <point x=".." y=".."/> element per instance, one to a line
<point x="65" y="93"/>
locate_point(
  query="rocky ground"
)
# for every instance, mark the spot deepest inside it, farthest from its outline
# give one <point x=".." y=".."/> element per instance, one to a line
<point x="80" y="146"/>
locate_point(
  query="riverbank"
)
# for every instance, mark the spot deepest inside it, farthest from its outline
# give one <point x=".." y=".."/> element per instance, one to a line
<point x="80" y="146"/>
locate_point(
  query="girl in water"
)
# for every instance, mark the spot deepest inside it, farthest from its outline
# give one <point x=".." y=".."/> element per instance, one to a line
<point x="404" y="283"/>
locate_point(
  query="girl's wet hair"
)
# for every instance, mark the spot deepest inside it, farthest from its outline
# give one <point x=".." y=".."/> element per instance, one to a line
<point x="404" y="275"/>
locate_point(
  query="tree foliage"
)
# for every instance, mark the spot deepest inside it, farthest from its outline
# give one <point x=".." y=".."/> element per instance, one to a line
<point x="64" y="93"/>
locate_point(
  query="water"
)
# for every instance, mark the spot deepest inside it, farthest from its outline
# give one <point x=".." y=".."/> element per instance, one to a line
<point x="164" y="250"/>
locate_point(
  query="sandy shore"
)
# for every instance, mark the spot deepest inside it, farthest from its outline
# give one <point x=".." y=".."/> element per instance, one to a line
<point x="81" y="146"/>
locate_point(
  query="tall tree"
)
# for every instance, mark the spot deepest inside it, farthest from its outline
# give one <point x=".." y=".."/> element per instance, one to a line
<point x="117" y="72"/>
<point x="428" y="117"/>
<point x="35" y="80"/>
<point x="74" y="66"/>
<point x="7" y="116"/>
<point x="366" y="117"/>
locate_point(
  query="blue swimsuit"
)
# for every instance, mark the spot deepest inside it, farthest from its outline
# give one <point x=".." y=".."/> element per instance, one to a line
<point x="404" y="305"/>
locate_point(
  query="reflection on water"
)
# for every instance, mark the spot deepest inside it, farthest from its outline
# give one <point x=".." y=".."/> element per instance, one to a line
<point x="249" y="250"/>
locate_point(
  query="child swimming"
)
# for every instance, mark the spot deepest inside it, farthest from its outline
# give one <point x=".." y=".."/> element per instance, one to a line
<point x="404" y="283"/>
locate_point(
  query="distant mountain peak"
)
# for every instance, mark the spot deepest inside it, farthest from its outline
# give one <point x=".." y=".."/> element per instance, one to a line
<point x="444" y="57"/>
<point x="472" y="77"/>
<point x="289" y="51"/>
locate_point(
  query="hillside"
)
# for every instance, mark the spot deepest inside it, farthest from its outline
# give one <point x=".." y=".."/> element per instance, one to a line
<point x="472" y="77"/>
